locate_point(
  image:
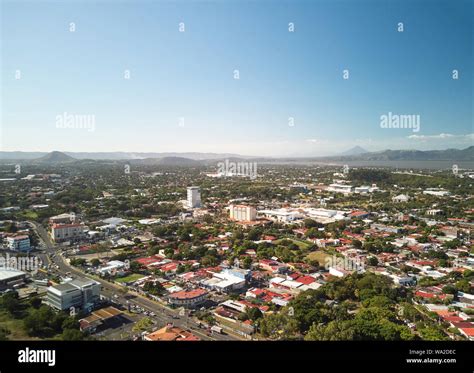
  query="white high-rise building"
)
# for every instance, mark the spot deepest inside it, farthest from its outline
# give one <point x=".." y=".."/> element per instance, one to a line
<point x="194" y="197"/>
<point x="242" y="212"/>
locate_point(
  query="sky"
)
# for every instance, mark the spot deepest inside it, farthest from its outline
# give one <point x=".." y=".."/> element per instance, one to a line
<point x="123" y="76"/>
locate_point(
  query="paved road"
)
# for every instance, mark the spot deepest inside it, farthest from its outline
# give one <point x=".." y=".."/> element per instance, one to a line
<point x="113" y="291"/>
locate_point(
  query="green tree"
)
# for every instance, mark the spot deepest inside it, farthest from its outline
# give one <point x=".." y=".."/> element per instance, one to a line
<point x="35" y="302"/>
<point x="72" y="335"/>
<point x="254" y="313"/>
<point x="279" y="326"/>
<point x="463" y="285"/>
<point x="4" y="334"/>
<point x="432" y="333"/>
<point x="449" y="289"/>
<point x="333" y="331"/>
<point x="10" y="302"/>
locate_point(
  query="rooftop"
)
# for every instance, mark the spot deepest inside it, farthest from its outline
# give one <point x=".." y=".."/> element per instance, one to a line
<point x="188" y="294"/>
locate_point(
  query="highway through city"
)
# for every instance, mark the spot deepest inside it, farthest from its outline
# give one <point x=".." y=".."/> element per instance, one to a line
<point x="115" y="293"/>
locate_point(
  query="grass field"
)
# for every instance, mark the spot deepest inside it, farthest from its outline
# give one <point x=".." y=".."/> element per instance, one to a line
<point x="301" y="244"/>
<point x="129" y="278"/>
<point x="318" y="255"/>
<point x="30" y="215"/>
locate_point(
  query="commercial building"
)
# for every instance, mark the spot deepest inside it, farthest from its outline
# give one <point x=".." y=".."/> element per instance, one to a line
<point x="79" y="293"/>
<point x="194" y="197"/>
<point x="67" y="232"/>
<point x="98" y="318"/>
<point x="113" y="267"/>
<point x="228" y="280"/>
<point x="437" y="192"/>
<point x="19" y="243"/>
<point x="9" y="278"/>
<point x="67" y="218"/>
<point x="188" y="298"/>
<point x="282" y="215"/>
<point x="340" y="188"/>
<point x="289" y="215"/>
<point x="242" y="213"/>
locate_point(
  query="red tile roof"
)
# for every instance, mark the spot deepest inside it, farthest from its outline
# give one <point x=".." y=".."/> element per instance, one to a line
<point x="188" y="294"/>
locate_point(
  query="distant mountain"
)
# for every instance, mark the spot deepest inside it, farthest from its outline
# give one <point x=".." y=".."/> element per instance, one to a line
<point x="410" y="155"/>
<point x="55" y="157"/>
<point x="191" y="159"/>
<point x="118" y="155"/>
<point x="167" y="161"/>
<point x="356" y="150"/>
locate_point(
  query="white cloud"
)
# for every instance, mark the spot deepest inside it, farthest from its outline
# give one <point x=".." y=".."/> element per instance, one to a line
<point x="442" y="136"/>
<point x="314" y="141"/>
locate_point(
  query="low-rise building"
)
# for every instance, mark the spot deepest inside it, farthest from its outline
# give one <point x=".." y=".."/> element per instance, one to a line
<point x="170" y="333"/>
<point x="9" y="278"/>
<point x="340" y="188"/>
<point x="67" y="218"/>
<point x="436" y="192"/>
<point x="79" y="293"/>
<point x="19" y="243"/>
<point x="114" y="267"/>
<point x="228" y="280"/>
<point x="401" y="198"/>
<point x="188" y="298"/>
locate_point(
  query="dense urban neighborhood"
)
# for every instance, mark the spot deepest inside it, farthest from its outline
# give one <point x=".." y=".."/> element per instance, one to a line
<point x="111" y="250"/>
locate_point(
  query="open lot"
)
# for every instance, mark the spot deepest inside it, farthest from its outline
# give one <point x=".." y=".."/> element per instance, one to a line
<point x="129" y="278"/>
<point x="318" y="255"/>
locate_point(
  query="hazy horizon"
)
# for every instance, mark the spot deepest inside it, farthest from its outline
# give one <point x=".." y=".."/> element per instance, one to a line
<point x="173" y="153"/>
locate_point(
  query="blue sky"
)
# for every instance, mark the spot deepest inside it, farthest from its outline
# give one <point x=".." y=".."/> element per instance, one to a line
<point x="190" y="75"/>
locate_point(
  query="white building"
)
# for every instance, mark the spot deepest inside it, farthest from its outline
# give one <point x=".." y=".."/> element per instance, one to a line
<point x="340" y="188"/>
<point x="242" y="213"/>
<point x="282" y="215"/>
<point x="194" y="197"/>
<point x="228" y="280"/>
<point x="436" y="192"/>
<point x="67" y="218"/>
<point x="78" y="293"/>
<point x="19" y="243"/>
<point x="112" y="267"/>
<point x="362" y="189"/>
<point x="401" y="198"/>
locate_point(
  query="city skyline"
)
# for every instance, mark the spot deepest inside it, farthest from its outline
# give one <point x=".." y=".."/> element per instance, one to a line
<point x="291" y="98"/>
